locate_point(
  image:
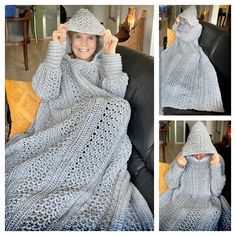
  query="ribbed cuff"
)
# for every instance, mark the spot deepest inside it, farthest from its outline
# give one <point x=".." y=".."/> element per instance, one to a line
<point x="177" y="171"/>
<point x="54" y="54"/>
<point x="112" y="64"/>
<point x="216" y="170"/>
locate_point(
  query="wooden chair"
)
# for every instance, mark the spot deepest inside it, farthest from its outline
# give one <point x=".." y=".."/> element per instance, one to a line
<point x="136" y="34"/>
<point x="17" y="33"/>
<point x="164" y="133"/>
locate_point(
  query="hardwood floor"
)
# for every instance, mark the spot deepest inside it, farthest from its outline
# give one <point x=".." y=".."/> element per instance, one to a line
<point x="14" y="60"/>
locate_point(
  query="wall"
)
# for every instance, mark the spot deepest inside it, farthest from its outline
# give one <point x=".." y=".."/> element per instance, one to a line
<point x="71" y="9"/>
<point x="214" y="14"/>
<point x="100" y="11"/>
<point x="114" y="20"/>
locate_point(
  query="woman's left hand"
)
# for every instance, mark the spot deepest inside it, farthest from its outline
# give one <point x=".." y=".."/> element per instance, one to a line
<point x="177" y="20"/>
<point x="215" y="159"/>
<point x="110" y="42"/>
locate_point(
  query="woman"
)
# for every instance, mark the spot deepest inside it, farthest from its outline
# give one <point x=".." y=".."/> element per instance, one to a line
<point x="195" y="180"/>
<point x="188" y="79"/>
<point x="69" y="171"/>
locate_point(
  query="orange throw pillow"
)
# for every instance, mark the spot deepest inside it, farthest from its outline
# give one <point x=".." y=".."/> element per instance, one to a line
<point x="170" y="37"/>
<point x="163" y="168"/>
<point x="23" y="105"/>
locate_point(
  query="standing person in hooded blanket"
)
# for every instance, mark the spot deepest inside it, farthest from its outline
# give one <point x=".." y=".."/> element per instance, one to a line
<point x="188" y="79"/>
<point x="69" y="170"/>
<point x="195" y="180"/>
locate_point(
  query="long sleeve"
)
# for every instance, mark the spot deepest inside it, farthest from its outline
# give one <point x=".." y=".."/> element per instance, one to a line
<point x="217" y="179"/>
<point x="173" y="176"/>
<point x="175" y="26"/>
<point x="193" y="34"/>
<point x="113" y="79"/>
<point x="47" y="79"/>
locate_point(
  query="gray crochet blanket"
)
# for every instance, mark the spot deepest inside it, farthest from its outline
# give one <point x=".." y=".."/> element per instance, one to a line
<point x="193" y="201"/>
<point x="188" y="79"/>
<point x="69" y="171"/>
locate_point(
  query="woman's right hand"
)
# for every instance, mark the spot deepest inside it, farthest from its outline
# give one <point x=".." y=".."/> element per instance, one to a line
<point x="60" y="33"/>
<point x="181" y="161"/>
<point x="177" y="20"/>
<point x="215" y="159"/>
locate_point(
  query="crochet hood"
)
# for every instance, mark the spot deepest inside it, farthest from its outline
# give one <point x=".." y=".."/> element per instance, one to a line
<point x="84" y="22"/>
<point x="198" y="141"/>
<point x="190" y="14"/>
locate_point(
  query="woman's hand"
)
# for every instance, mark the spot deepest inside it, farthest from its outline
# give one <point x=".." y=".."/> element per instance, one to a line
<point x="110" y="42"/>
<point x="215" y="159"/>
<point x="177" y="20"/>
<point x="60" y="33"/>
<point x="181" y="161"/>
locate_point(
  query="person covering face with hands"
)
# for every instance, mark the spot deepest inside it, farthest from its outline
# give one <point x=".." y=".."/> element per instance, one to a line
<point x="193" y="200"/>
<point x="181" y="160"/>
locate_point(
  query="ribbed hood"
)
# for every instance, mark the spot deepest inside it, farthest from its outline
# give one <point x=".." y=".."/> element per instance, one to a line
<point x="198" y="141"/>
<point x="84" y="22"/>
<point x="190" y="14"/>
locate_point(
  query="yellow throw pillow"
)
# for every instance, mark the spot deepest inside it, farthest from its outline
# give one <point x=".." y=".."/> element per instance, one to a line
<point x="163" y="168"/>
<point x="23" y="105"/>
<point x="170" y="37"/>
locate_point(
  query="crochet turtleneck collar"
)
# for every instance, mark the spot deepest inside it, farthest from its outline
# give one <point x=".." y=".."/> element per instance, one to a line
<point x="192" y="159"/>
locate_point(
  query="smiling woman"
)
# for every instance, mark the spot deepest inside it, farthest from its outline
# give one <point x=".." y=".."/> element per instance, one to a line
<point x="83" y="46"/>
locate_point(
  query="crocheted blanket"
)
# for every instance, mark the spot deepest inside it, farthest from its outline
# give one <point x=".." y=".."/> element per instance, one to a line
<point x="69" y="171"/>
<point x="188" y="79"/>
<point x="193" y="201"/>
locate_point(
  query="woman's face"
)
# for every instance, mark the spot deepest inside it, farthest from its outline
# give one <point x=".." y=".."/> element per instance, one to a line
<point x="84" y="45"/>
<point x="183" y="21"/>
<point x="200" y="156"/>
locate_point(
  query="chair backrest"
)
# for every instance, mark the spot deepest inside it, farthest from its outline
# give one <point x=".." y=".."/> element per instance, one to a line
<point x="17" y="30"/>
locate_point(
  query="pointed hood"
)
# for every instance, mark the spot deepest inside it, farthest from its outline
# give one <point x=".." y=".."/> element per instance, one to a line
<point x="198" y="141"/>
<point x="84" y="22"/>
<point x="190" y="14"/>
